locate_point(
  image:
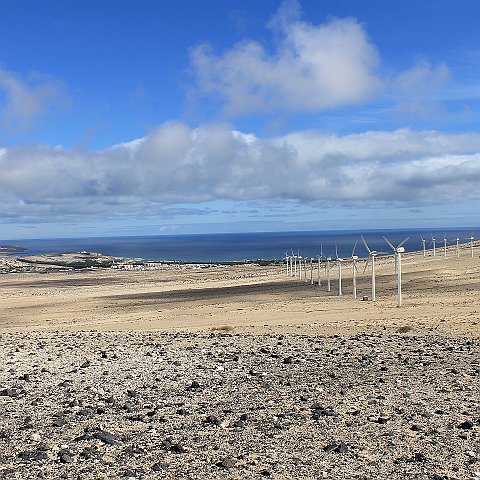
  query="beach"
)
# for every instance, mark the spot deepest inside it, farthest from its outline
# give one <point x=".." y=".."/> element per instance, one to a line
<point x="242" y="372"/>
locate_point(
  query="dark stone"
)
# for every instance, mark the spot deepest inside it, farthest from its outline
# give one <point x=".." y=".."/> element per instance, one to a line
<point x="159" y="466"/>
<point x="212" y="420"/>
<point x="320" y="411"/>
<point x="90" y="452"/>
<point x="129" y="473"/>
<point x="33" y="455"/>
<point x="466" y="425"/>
<point x="227" y="462"/>
<point x="288" y="360"/>
<point x="65" y="458"/>
<point x="59" y="421"/>
<point x="170" y="446"/>
<point x="337" y="447"/>
<point x="10" y="392"/>
<point x="106" y="437"/>
<point x="85" y="364"/>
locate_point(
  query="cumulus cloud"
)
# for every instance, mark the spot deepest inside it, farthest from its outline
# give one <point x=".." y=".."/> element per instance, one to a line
<point x="176" y="164"/>
<point x="24" y="100"/>
<point x="313" y="67"/>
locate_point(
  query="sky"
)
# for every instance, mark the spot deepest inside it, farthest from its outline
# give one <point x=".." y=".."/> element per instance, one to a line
<point x="147" y="117"/>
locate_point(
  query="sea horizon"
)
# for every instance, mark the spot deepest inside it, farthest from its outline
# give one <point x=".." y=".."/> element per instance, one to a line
<point x="225" y="247"/>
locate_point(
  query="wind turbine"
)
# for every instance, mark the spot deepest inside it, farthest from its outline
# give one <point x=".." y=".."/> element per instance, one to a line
<point x="398" y="250"/>
<point x="320" y="258"/>
<point x="339" y="262"/>
<point x="295" y="265"/>
<point x="471" y="243"/>
<point x="354" y="270"/>
<point x="305" y="270"/>
<point x="327" y="267"/>
<point x="445" y="245"/>
<point x="433" y="242"/>
<point x="371" y="255"/>
<point x="287" y="259"/>
<point x="311" y="271"/>
<point x="423" y="244"/>
<point x="458" y="248"/>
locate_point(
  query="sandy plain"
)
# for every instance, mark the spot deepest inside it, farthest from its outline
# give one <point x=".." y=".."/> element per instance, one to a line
<point x="439" y="294"/>
<point x="241" y="373"/>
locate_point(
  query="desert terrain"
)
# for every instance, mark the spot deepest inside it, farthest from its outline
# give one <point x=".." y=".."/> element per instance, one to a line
<point x="241" y="372"/>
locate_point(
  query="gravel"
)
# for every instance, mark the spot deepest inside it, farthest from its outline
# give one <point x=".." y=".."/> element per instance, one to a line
<point x="91" y="405"/>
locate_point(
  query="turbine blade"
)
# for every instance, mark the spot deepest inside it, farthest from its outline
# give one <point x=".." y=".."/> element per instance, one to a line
<point x="389" y="243"/>
<point x="403" y="242"/>
<point x="366" y="264"/>
<point x="365" y="243"/>
<point x="354" y="247"/>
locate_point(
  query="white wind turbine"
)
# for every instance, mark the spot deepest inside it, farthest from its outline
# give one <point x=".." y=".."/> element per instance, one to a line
<point x="320" y="258"/>
<point x="471" y="238"/>
<point x="311" y="271"/>
<point x="398" y="250"/>
<point x="327" y="267"/>
<point x="433" y="243"/>
<point x="371" y="256"/>
<point x="339" y="263"/>
<point x="354" y="270"/>
<point x="287" y="261"/>
<point x="295" y="265"/>
<point x="305" y="270"/>
<point x="423" y="245"/>
<point x="457" y="240"/>
<point x="445" y="245"/>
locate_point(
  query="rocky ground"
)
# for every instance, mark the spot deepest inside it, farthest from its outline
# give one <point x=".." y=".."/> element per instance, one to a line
<point x="91" y="405"/>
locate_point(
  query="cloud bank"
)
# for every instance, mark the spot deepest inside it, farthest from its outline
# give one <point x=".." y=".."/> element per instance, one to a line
<point x="177" y="164"/>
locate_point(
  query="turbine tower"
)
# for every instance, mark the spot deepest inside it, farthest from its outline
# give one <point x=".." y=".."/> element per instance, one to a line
<point x="423" y="244"/>
<point x="458" y="248"/>
<point x="339" y="262"/>
<point x="471" y="244"/>
<point x="445" y="245"/>
<point x="433" y="243"/>
<point x="311" y="271"/>
<point x="320" y="258"/>
<point x="327" y="266"/>
<point x="371" y="256"/>
<point x="354" y="270"/>
<point x="398" y="250"/>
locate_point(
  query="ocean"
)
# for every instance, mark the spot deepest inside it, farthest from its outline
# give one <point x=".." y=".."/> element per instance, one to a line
<point x="224" y="247"/>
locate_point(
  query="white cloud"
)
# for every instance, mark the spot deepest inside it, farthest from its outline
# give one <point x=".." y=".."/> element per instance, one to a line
<point x="176" y="164"/>
<point x="313" y="67"/>
<point x="23" y="100"/>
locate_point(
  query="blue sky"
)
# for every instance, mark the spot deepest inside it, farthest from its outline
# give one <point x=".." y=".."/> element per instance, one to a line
<point x="151" y="117"/>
